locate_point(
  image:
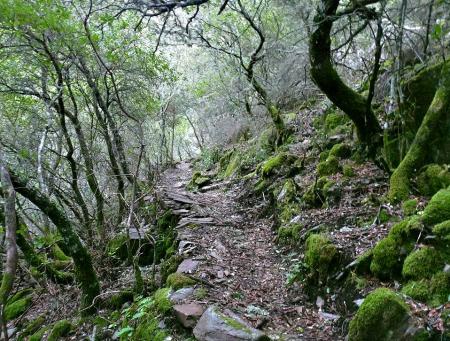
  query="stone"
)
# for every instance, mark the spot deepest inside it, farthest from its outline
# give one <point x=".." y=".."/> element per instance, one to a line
<point x="181" y="295"/>
<point x="188" y="266"/>
<point x="188" y="314"/>
<point x="217" y="326"/>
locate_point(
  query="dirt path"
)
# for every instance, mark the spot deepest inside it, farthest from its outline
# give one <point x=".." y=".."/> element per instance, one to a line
<point x="233" y="250"/>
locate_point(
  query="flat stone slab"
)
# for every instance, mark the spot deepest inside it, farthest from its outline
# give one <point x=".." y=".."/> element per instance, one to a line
<point x="217" y="326"/>
<point x="181" y="295"/>
<point x="188" y="314"/>
<point x="188" y="266"/>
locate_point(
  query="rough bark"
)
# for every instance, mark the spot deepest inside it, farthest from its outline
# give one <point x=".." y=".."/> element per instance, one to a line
<point x="427" y="135"/>
<point x="71" y="244"/>
<point x="328" y="80"/>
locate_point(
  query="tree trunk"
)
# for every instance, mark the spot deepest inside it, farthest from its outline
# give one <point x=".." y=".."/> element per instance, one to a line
<point x="427" y="135"/>
<point x="71" y="244"/>
<point x="9" y="270"/>
<point x="328" y="80"/>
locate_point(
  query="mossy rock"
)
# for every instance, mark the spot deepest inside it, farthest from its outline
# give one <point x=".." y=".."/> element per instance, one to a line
<point x="418" y="290"/>
<point x="442" y="231"/>
<point x="19" y="295"/>
<point x="422" y="263"/>
<point x="170" y="265"/>
<point x="198" y="181"/>
<point x="233" y="165"/>
<point x="438" y="209"/>
<point x="116" y="301"/>
<point x="277" y="164"/>
<point x="387" y="258"/>
<point x="177" y="281"/>
<point x="148" y="329"/>
<point x="341" y="150"/>
<point x="287" y="193"/>
<point x="60" y="329"/>
<point x="320" y="253"/>
<point x="382" y="316"/>
<point x="433" y="178"/>
<point x="407" y="230"/>
<point x="17" y="308"/>
<point x="162" y="300"/>
<point x="289" y="233"/>
<point x="363" y="262"/>
<point x="32" y="327"/>
<point x="37" y="336"/>
<point x="329" y="167"/>
<point x="324" y="155"/>
<point x="333" y="120"/>
<point x="319" y="193"/>
<point x="348" y="171"/>
<point x="440" y="288"/>
<point x="409" y="207"/>
<point x="268" y="139"/>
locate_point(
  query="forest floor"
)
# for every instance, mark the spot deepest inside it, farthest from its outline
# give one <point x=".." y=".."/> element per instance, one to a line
<point x="233" y="248"/>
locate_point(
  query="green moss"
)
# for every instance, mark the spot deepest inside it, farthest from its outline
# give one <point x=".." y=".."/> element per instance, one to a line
<point x="287" y="193"/>
<point x="60" y="329"/>
<point x="58" y="254"/>
<point x="341" y="150"/>
<point x="319" y="254"/>
<point x="200" y="293"/>
<point x="177" y="281"/>
<point x="274" y="164"/>
<point x="162" y="301"/>
<point x="116" y="301"/>
<point x="433" y="178"/>
<point x="33" y="326"/>
<point x="329" y="166"/>
<point x="198" y="181"/>
<point x="233" y="323"/>
<point x="324" y="155"/>
<point x="387" y="259"/>
<point x="407" y="230"/>
<point x="17" y="308"/>
<point x="418" y="290"/>
<point x="438" y="209"/>
<point x="20" y="294"/>
<point x="422" y="263"/>
<point x="334" y="120"/>
<point x="39" y="334"/>
<point x="148" y="329"/>
<point x="289" y="233"/>
<point x="170" y="265"/>
<point x="117" y="247"/>
<point x="348" y="171"/>
<point x="233" y="165"/>
<point x="442" y="231"/>
<point x="440" y="288"/>
<point x="384" y="216"/>
<point x="363" y="262"/>
<point x="409" y="207"/>
<point x="379" y="317"/>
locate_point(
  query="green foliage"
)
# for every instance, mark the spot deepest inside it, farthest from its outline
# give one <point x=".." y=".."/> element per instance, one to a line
<point x="32" y="327"/>
<point x="442" y="231"/>
<point x="319" y="254"/>
<point x="409" y="207"/>
<point x="348" y="171"/>
<point x="162" y="301"/>
<point x="328" y="167"/>
<point x="289" y="233"/>
<point x="334" y="120"/>
<point x="60" y="329"/>
<point x="379" y="317"/>
<point x="438" y="209"/>
<point x="177" y="281"/>
<point x="116" y="301"/>
<point x="170" y="265"/>
<point x="433" y="178"/>
<point x="422" y="263"/>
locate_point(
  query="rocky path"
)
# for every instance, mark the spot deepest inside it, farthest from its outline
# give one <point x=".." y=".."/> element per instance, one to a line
<point x="231" y="250"/>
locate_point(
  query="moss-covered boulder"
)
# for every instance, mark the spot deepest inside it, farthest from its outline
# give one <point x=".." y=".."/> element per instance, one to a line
<point x="60" y="329"/>
<point x="348" y="171"/>
<point x="438" y="209"/>
<point x="422" y="263"/>
<point x="433" y="178"/>
<point x="198" y="181"/>
<point x="418" y="290"/>
<point x="387" y="259"/>
<point x="16" y="308"/>
<point x="409" y="207"/>
<point x="362" y="265"/>
<point x="320" y="253"/>
<point x="289" y="233"/>
<point x="341" y="150"/>
<point x="32" y="327"/>
<point x="334" y="120"/>
<point x="440" y="288"/>
<point x="329" y="167"/>
<point x="116" y="301"/>
<point x="382" y="316"/>
<point x="442" y="231"/>
<point x="177" y="281"/>
<point x="170" y="265"/>
<point x="279" y="164"/>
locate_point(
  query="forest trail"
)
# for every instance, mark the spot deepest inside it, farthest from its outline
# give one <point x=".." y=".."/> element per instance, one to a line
<point x="230" y="247"/>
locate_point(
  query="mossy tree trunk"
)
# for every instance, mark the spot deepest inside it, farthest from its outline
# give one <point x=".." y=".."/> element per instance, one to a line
<point x="328" y="80"/>
<point x="428" y="134"/>
<point x="71" y="244"/>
